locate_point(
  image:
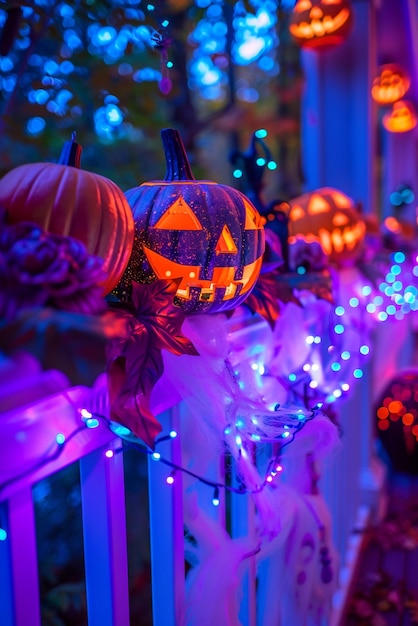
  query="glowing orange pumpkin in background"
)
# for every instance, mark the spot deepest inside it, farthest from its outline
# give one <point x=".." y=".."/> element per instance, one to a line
<point x="401" y="118"/>
<point x="321" y="23"/>
<point x="330" y="217"/>
<point x="66" y="200"/>
<point x="391" y="84"/>
<point x="397" y="422"/>
<point x="209" y="235"/>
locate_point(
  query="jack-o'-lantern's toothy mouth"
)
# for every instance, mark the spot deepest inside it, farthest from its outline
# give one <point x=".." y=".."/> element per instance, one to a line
<point x="338" y="240"/>
<point x="222" y="281"/>
<point x="320" y="25"/>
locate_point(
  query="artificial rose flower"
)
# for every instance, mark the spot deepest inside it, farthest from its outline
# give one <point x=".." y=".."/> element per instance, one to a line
<point x="41" y="269"/>
<point x="36" y="259"/>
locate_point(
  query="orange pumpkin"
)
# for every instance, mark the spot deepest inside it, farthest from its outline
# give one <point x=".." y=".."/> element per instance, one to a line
<point x="330" y="217"/>
<point x="391" y="84"/>
<point x="320" y="23"/>
<point x="65" y="200"/>
<point x="401" y="118"/>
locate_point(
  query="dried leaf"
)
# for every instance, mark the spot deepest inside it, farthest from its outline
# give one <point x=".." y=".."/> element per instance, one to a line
<point x="135" y="362"/>
<point x="130" y="382"/>
<point x="264" y="298"/>
<point x="274" y="287"/>
<point x="154" y="308"/>
<point x="285" y="291"/>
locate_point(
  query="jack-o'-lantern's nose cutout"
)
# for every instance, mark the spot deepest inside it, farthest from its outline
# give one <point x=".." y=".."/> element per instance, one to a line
<point x="316" y="13"/>
<point x="225" y="242"/>
<point x="340" y="219"/>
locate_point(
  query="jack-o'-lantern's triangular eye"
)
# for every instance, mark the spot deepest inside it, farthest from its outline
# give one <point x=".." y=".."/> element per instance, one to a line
<point x="253" y="219"/>
<point x="297" y="212"/>
<point x="225" y="243"/>
<point x="340" y="199"/>
<point x="302" y="5"/>
<point x="317" y="204"/>
<point x="179" y="216"/>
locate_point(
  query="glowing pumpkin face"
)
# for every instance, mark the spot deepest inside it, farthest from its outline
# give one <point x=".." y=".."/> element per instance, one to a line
<point x="209" y="235"/>
<point x="390" y="84"/>
<point x="330" y="217"/>
<point x="397" y="422"/>
<point x="401" y="118"/>
<point x="320" y="23"/>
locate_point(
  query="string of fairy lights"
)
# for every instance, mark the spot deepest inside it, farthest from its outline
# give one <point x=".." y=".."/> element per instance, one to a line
<point x="340" y="344"/>
<point x="91" y="420"/>
<point x="397" y="294"/>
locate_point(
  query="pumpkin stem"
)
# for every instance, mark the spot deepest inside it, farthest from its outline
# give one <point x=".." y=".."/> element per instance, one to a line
<point x="71" y="153"/>
<point x="178" y="166"/>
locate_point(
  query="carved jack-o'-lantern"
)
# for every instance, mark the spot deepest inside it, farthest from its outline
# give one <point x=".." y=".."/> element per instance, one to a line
<point x="397" y="422"/>
<point x="391" y="84"/>
<point x="401" y="118"/>
<point x="330" y="217"/>
<point x="209" y="235"/>
<point x="320" y="23"/>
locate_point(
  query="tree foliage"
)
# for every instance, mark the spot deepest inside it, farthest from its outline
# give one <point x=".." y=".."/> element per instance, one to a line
<point x="117" y="72"/>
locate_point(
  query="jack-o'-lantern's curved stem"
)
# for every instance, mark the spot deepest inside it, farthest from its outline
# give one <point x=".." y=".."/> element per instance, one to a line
<point x="71" y="153"/>
<point x="178" y="166"/>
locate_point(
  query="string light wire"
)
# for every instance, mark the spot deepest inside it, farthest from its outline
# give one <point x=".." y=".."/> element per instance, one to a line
<point x="91" y="420"/>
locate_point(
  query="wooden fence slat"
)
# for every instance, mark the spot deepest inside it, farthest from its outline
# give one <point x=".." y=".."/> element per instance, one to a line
<point x="6" y="586"/>
<point x="242" y="524"/>
<point x="23" y="553"/>
<point x="105" y="548"/>
<point x="166" y="530"/>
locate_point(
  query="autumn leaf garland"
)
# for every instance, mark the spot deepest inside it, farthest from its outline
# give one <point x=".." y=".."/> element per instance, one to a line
<point x="135" y="362"/>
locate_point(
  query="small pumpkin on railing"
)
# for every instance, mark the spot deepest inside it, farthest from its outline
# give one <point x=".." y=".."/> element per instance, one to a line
<point x="66" y="200"/>
<point x="209" y="235"/>
<point x="391" y="84"/>
<point x="401" y="118"/>
<point x="321" y="23"/>
<point x="329" y="216"/>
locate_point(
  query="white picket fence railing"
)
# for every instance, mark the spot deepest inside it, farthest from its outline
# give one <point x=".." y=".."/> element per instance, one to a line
<point x="36" y="406"/>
